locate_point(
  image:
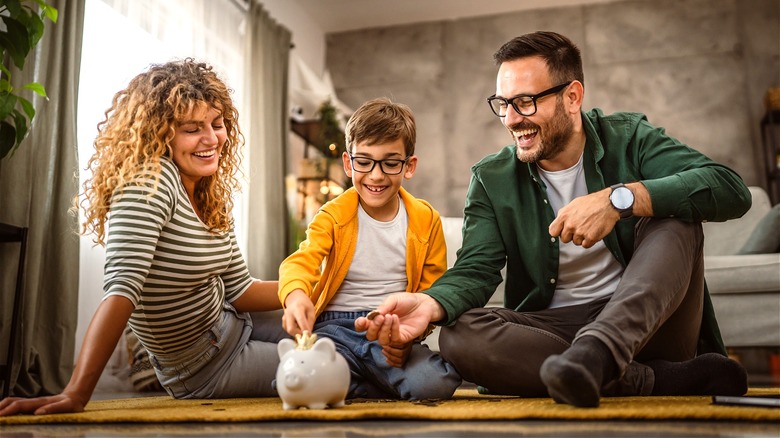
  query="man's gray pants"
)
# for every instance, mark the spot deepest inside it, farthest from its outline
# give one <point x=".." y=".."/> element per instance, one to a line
<point x="655" y="313"/>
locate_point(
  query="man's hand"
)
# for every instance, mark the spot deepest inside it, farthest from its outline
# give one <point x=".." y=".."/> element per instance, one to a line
<point x="589" y="218"/>
<point x="54" y="404"/>
<point x="585" y="220"/>
<point x="299" y="313"/>
<point x="397" y="354"/>
<point x="413" y="313"/>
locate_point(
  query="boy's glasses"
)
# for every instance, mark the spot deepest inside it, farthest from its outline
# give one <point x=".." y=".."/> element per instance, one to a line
<point x="366" y="165"/>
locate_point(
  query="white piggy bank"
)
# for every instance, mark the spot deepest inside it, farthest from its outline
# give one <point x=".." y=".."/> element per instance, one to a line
<point x="315" y="378"/>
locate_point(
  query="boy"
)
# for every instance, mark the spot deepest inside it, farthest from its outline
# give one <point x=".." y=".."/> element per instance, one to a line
<point x="376" y="239"/>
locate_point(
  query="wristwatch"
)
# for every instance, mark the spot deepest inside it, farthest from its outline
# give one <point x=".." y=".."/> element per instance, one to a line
<point x="622" y="199"/>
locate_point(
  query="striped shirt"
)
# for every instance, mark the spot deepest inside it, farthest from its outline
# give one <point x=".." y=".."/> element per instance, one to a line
<point x="161" y="257"/>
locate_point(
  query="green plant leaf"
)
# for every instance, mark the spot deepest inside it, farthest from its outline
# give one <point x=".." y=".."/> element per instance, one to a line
<point x="14" y="7"/>
<point x="48" y="11"/>
<point x="37" y="88"/>
<point x="7" y="138"/>
<point x="35" y="26"/>
<point x="16" y="40"/>
<point x="20" y="122"/>
<point x="7" y="104"/>
<point x="22" y="28"/>
<point x="27" y="107"/>
<point x="51" y="13"/>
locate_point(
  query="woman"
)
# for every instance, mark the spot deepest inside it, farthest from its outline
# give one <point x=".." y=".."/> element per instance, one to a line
<point x="163" y="175"/>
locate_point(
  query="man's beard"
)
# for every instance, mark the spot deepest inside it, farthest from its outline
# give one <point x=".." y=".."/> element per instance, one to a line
<point x="554" y="137"/>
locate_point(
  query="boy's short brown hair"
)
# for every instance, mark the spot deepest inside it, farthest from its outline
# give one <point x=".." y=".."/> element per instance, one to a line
<point x="379" y="121"/>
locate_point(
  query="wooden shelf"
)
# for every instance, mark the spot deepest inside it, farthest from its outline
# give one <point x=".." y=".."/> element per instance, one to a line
<point x="308" y="130"/>
<point x="311" y="131"/>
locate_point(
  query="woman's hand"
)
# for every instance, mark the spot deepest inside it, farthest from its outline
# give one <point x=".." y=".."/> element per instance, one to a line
<point x="55" y="404"/>
<point x="102" y="335"/>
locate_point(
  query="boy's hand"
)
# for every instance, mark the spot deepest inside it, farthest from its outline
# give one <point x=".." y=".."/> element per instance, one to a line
<point x="299" y="313"/>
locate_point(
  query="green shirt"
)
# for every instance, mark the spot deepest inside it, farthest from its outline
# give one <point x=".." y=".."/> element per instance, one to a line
<point x="507" y="213"/>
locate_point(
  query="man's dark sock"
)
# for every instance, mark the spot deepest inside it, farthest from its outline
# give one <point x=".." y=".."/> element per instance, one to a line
<point x="575" y="377"/>
<point x="708" y="374"/>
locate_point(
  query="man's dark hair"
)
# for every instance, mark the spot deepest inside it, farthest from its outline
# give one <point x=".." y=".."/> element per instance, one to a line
<point x="561" y="55"/>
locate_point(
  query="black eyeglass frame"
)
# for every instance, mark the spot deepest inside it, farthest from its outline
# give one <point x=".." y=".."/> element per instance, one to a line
<point x="511" y="101"/>
<point x="381" y="164"/>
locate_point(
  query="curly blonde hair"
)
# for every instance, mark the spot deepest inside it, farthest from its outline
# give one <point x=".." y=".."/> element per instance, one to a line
<point x="137" y="131"/>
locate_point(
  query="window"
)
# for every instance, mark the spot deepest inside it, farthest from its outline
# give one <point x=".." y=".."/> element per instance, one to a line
<point x="121" y="39"/>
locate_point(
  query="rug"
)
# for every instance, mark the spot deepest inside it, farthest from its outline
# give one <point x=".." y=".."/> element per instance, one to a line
<point x="466" y="405"/>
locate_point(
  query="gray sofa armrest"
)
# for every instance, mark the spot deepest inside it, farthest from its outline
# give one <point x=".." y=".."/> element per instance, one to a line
<point x="741" y="273"/>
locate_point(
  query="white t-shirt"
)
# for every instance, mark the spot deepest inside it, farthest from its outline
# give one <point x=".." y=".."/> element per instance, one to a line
<point x="584" y="274"/>
<point x="378" y="267"/>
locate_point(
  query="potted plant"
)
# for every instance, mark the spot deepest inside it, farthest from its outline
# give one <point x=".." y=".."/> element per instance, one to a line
<point x="21" y="27"/>
<point x="331" y="138"/>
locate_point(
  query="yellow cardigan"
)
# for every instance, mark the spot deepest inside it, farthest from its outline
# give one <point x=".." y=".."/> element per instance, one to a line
<point x="332" y="236"/>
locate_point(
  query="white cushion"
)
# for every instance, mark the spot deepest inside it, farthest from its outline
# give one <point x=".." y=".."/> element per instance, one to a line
<point x="453" y="235"/>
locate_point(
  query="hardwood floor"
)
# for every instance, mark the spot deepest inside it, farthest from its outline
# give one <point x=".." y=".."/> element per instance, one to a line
<point x="408" y="429"/>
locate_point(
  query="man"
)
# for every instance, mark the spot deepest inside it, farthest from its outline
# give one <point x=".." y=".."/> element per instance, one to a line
<point x="598" y="220"/>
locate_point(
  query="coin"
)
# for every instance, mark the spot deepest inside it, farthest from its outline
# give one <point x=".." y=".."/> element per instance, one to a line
<point x="372" y="314"/>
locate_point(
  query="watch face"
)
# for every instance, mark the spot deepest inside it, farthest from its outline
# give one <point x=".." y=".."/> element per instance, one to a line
<point x="622" y="198"/>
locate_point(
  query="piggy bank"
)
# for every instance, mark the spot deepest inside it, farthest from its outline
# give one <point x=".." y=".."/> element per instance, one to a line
<point x="311" y="374"/>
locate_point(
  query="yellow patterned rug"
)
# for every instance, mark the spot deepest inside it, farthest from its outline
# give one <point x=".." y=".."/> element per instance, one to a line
<point x="466" y="405"/>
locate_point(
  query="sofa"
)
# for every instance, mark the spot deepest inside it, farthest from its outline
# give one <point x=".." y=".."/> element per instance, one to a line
<point x="745" y="289"/>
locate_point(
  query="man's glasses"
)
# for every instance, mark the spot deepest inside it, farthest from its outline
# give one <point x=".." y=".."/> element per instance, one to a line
<point x="366" y="165"/>
<point x="524" y="104"/>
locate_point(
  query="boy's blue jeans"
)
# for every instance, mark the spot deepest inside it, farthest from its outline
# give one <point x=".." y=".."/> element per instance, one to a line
<point x="237" y="357"/>
<point x="424" y="376"/>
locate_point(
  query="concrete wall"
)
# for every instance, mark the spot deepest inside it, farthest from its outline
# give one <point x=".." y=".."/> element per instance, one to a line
<point x="699" y="68"/>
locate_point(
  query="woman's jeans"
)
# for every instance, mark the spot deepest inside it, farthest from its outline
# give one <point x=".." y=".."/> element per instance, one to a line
<point x="424" y="376"/>
<point x="235" y="358"/>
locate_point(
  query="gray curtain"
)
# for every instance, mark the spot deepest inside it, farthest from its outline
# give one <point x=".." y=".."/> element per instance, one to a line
<point x="37" y="185"/>
<point x="267" y="125"/>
